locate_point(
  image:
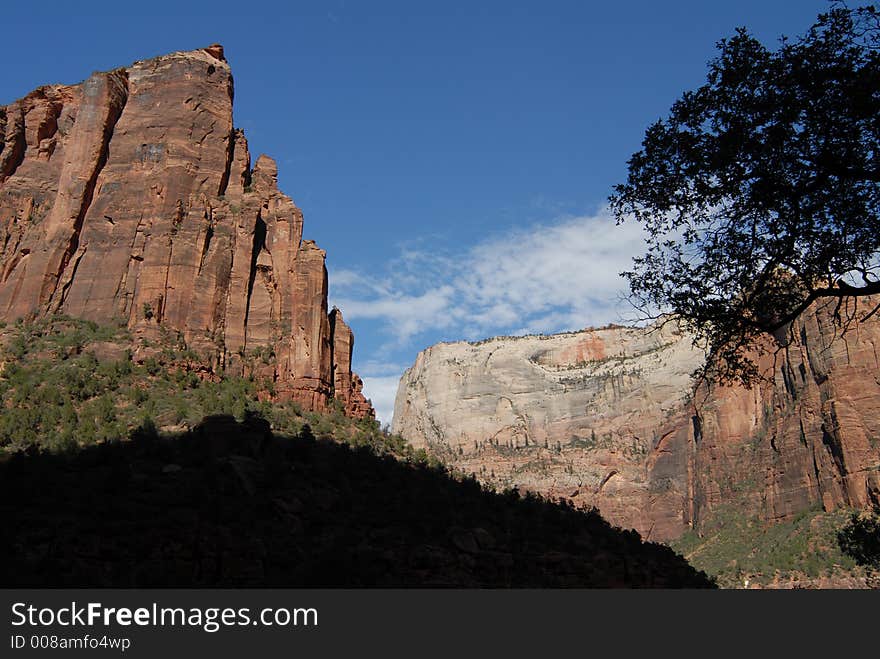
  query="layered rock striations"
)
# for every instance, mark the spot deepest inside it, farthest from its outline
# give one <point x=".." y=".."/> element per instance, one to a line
<point x="609" y="417"/>
<point x="130" y="198"/>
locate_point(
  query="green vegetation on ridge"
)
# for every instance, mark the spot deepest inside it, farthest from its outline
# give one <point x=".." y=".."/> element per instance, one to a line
<point x="735" y="549"/>
<point x="68" y="383"/>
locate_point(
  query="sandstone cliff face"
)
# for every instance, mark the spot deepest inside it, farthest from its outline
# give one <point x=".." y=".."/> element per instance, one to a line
<point x="130" y="198"/>
<point x="609" y="418"/>
<point x="590" y="416"/>
<point x="809" y="438"/>
<point x="348" y="385"/>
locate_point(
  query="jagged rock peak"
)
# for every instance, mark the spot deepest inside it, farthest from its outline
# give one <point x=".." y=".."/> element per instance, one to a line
<point x="130" y="198"/>
<point x="265" y="174"/>
<point x="215" y="50"/>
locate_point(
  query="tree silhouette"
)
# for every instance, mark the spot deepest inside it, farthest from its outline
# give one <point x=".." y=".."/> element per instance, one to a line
<point x="860" y="538"/>
<point x="759" y="193"/>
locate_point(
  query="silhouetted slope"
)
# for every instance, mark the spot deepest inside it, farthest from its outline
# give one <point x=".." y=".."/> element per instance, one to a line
<point x="229" y="504"/>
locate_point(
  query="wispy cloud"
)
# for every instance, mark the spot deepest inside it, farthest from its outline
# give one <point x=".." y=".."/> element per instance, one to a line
<point x="382" y="391"/>
<point x="552" y="277"/>
<point x="541" y="278"/>
<point x="407" y="314"/>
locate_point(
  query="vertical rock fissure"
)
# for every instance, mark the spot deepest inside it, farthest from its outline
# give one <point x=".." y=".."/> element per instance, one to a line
<point x="259" y="243"/>
<point x="206" y="245"/>
<point x="68" y="281"/>
<point x="178" y="220"/>
<point x="818" y="476"/>
<point x="49" y="126"/>
<point x="333" y="352"/>
<point x="230" y="154"/>
<point x="698" y="428"/>
<point x="2" y="131"/>
<point x="116" y="106"/>
<point x="14" y="156"/>
<point x="832" y="444"/>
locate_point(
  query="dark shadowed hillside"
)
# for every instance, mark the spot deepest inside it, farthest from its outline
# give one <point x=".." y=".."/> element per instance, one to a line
<point x="230" y="504"/>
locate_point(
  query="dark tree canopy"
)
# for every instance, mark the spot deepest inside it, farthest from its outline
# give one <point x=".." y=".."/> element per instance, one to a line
<point x="860" y="538"/>
<point x="759" y="193"/>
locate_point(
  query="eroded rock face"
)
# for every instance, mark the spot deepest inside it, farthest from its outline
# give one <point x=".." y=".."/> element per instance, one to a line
<point x="130" y="198"/>
<point x="347" y="385"/>
<point x="609" y="418"/>
<point x="594" y="416"/>
<point x="810" y="437"/>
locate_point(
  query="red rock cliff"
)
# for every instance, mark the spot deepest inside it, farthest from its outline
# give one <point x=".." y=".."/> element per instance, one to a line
<point x="808" y="438"/>
<point x="347" y="385"/>
<point x="130" y="198"/>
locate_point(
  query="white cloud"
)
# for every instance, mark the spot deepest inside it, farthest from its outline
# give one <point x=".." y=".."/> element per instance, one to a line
<point x="346" y="278"/>
<point x="376" y="368"/>
<point x="552" y="277"/>
<point x="381" y="391"/>
<point x="408" y="315"/>
<point x="540" y="278"/>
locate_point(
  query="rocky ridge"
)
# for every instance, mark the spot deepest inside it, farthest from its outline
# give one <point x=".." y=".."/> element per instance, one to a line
<point x="130" y="197"/>
<point x="609" y="417"/>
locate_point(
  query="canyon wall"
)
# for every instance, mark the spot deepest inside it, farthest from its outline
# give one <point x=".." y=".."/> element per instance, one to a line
<point x="609" y="417"/>
<point x="130" y="198"/>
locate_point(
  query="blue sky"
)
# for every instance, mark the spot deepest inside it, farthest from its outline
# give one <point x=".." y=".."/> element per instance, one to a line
<point x="453" y="158"/>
